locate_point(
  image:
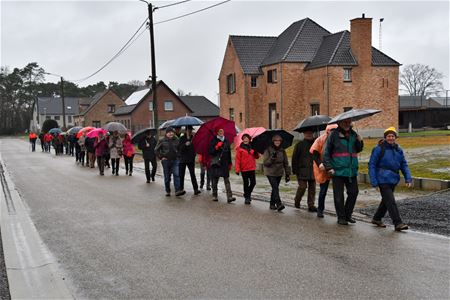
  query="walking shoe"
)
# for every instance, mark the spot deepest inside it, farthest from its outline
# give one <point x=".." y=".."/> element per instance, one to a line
<point x="351" y="220"/>
<point x="117" y="173"/>
<point x="197" y="192"/>
<point x="101" y="174"/>
<point x="208" y="188"/>
<point x="229" y="200"/>
<point x="153" y="178"/>
<point x="129" y="174"/>
<point x="320" y="214"/>
<point x="148" y="181"/>
<point x="201" y="186"/>
<point x="180" y="193"/>
<point x="297" y="204"/>
<point x="215" y="198"/>
<point x="168" y="194"/>
<point x="280" y="206"/>
<point x="273" y="206"/>
<point x="401" y="227"/>
<point x="247" y="200"/>
<point x="378" y="223"/>
<point x="342" y="222"/>
<point x="312" y="209"/>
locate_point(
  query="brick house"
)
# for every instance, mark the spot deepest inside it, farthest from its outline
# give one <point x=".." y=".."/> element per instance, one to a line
<point x="137" y="114"/>
<point x="101" y="109"/>
<point x="275" y="82"/>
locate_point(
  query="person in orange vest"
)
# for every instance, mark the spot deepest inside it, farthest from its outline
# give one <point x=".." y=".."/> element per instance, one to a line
<point x="321" y="176"/>
<point x="32" y="137"/>
<point x="47" y="141"/>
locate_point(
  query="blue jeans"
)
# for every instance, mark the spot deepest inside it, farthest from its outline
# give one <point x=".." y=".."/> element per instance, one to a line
<point x="322" y="194"/>
<point x="171" y="167"/>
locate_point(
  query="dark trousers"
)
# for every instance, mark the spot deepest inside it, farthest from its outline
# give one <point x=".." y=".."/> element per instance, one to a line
<point x="388" y="204"/>
<point x="33" y="146"/>
<point x="203" y="172"/>
<point x="215" y="183"/>
<point x="107" y="157"/>
<point x="71" y="149"/>
<point x="344" y="211"/>
<point x="101" y="164"/>
<point x="302" y="185"/>
<point x="81" y="157"/>
<point x="115" y="165"/>
<point x="191" y="167"/>
<point x="322" y="194"/>
<point x="128" y="163"/>
<point x="249" y="179"/>
<point x="275" y="194"/>
<point x="171" y="167"/>
<point x="151" y="175"/>
<point x="42" y="145"/>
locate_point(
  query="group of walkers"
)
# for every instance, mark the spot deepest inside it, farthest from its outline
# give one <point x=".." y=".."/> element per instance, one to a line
<point x="333" y="156"/>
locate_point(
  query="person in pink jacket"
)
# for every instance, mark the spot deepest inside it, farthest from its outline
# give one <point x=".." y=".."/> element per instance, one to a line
<point x="128" y="154"/>
<point x="100" y="146"/>
<point x="246" y="165"/>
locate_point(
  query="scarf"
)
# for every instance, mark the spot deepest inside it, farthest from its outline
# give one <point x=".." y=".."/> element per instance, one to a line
<point x="221" y="138"/>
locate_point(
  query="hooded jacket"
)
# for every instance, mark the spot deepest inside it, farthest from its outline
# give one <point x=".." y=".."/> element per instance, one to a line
<point x="385" y="169"/>
<point x="302" y="160"/>
<point x="276" y="162"/>
<point x="245" y="158"/>
<point x="318" y="147"/>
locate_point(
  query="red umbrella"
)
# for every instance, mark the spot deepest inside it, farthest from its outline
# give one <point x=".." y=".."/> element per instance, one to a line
<point x="208" y="131"/>
<point x="84" y="129"/>
<point x="95" y="132"/>
<point x="252" y="132"/>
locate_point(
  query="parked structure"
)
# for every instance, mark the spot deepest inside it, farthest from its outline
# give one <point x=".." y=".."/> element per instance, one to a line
<point x="421" y="112"/>
<point x="276" y="81"/>
<point x="101" y="109"/>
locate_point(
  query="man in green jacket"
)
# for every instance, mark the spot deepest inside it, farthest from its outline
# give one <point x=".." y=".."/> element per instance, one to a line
<point x="340" y="158"/>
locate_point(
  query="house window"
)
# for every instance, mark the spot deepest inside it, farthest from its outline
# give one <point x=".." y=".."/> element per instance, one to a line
<point x="111" y="108"/>
<point x="315" y="109"/>
<point x="254" y="81"/>
<point x="272" y="76"/>
<point x="347" y="108"/>
<point x="231" y="83"/>
<point x="48" y="117"/>
<point x="232" y="114"/>
<point x="168" y="105"/>
<point x="96" y="124"/>
<point x="150" y="105"/>
<point x="57" y="118"/>
<point x="69" y="119"/>
<point x="240" y="117"/>
<point x="347" y="74"/>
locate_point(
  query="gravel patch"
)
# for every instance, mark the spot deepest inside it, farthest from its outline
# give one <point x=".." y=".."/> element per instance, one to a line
<point x="428" y="213"/>
<point x="4" y="288"/>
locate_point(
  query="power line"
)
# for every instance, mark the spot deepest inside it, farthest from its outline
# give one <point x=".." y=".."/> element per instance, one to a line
<point x="176" y="3"/>
<point x="194" y="12"/>
<point x="115" y="56"/>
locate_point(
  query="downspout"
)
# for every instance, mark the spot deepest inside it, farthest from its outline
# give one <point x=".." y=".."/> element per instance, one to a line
<point x="328" y="91"/>
<point x="246" y="99"/>
<point x="281" y="96"/>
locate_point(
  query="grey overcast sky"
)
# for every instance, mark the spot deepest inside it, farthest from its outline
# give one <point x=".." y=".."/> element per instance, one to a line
<point x="75" y="38"/>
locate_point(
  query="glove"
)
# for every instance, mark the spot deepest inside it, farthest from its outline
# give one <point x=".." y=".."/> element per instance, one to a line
<point x="252" y="152"/>
<point x="287" y="178"/>
<point x="218" y="145"/>
<point x="237" y="173"/>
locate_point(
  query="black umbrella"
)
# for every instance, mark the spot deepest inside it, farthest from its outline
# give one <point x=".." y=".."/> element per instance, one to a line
<point x="313" y="123"/>
<point x="115" y="126"/>
<point x="186" y="121"/>
<point x="138" y="136"/>
<point x="261" y="142"/>
<point x="354" y="115"/>
<point x="166" y="124"/>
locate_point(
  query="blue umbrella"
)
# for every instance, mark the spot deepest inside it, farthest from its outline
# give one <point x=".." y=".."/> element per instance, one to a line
<point x="166" y="124"/>
<point x="55" y="131"/>
<point x="187" y="121"/>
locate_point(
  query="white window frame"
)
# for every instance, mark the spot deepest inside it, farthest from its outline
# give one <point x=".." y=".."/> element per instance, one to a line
<point x="165" y="105"/>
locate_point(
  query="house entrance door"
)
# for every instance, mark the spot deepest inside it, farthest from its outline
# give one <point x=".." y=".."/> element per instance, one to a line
<point x="272" y="115"/>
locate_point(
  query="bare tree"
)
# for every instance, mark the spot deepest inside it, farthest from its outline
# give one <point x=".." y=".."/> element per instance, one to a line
<point x="421" y="80"/>
<point x="135" y="82"/>
<point x="180" y="92"/>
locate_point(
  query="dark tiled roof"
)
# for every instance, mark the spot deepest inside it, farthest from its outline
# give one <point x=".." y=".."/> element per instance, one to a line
<point x="381" y="59"/>
<point x="298" y="43"/>
<point x="201" y="106"/>
<point x="94" y="101"/>
<point x="406" y="102"/>
<point x="251" y="51"/>
<point x="53" y="105"/>
<point x="124" y="110"/>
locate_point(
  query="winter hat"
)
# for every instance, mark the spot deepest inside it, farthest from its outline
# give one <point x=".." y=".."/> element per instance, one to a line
<point x="169" y="129"/>
<point x="246" y="135"/>
<point x="218" y="128"/>
<point x="390" y="130"/>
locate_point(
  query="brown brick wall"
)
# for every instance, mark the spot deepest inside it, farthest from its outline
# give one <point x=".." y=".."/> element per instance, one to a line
<point x="99" y="112"/>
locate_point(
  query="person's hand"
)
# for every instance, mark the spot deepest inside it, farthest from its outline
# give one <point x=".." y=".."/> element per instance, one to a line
<point x="252" y="152"/>
<point x="409" y="184"/>
<point x="187" y="143"/>
<point x="321" y="167"/>
<point x="163" y="158"/>
<point x="331" y="171"/>
<point x="358" y="137"/>
<point x="287" y="178"/>
<point x="237" y="173"/>
<point x="218" y="145"/>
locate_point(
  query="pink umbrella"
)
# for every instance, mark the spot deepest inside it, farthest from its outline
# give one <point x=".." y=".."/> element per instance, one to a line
<point x="94" y="133"/>
<point x="253" y="132"/>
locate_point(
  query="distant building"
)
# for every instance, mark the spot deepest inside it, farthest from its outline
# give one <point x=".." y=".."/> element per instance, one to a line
<point x="51" y="108"/>
<point x="421" y="112"/>
<point x="275" y="82"/>
<point x="100" y="110"/>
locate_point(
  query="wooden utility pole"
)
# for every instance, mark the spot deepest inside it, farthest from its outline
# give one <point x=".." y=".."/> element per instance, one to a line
<point x="63" y="104"/>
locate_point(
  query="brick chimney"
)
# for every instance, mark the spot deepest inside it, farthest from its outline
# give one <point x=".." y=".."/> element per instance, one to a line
<point x="361" y="40"/>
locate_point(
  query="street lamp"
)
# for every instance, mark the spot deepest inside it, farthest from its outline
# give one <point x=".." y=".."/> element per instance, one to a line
<point x="62" y="97"/>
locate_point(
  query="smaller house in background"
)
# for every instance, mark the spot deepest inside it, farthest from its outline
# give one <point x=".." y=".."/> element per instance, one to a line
<point x="101" y="109"/>
<point x="421" y="112"/>
<point x="51" y="108"/>
<point x="201" y="107"/>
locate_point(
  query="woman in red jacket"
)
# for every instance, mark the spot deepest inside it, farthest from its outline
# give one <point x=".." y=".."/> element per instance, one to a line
<point x="246" y="165"/>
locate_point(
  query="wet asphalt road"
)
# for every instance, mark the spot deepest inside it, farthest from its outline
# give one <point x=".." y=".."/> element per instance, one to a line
<point x="118" y="237"/>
